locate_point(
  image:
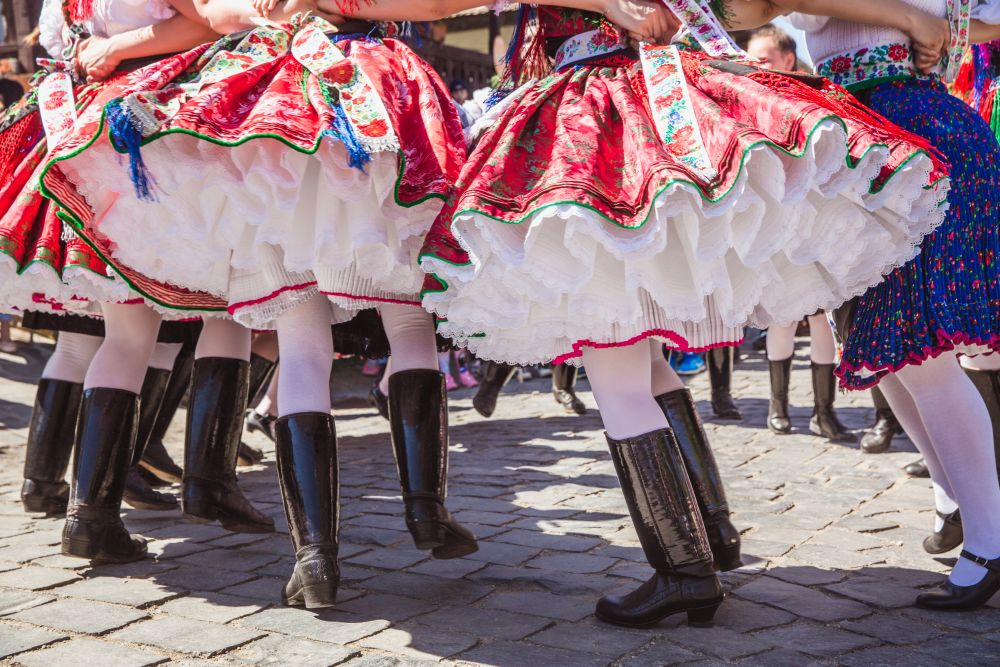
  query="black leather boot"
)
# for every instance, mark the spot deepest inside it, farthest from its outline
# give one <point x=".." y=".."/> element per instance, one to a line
<point x="988" y="385"/>
<point x="138" y="492"/>
<point x="564" y="388"/>
<point x="667" y="519"/>
<point x="778" y="420"/>
<point x="702" y="470"/>
<point x="209" y="490"/>
<point x="104" y="445"/>
<point x="50" y="443"/>
<point x="950" y="536"/>
<point x="418" y="422"/>
<point x="378" y="400"/>
<point x="261" y="372"/>
<point x="965" y="598"/>
<point x="824" y="420"/>
<point x="155" y="459"/>
<point x="878" y="439"/>
<point x="917" y="469"/>
<point x="306" y="448"/>
<point x="720" y="374"/>
<point x="494" y="376"/>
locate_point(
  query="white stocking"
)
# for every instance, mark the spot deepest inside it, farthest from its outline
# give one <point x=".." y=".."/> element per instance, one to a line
<point x="664" y="378"/>
<point x="410" y="330"/>
<point x="822" y="348"/>
<point x="781" y="341"/>
<point x="164" y="355"/>
<point x="71" y="358"/>
<point x="621" y="380"/>
<point x="961" y="433"/>
<point x="305" y="347"/>
<point x="129" y="337"/>
<point x="223" y="338"/>
<point x="269" y="403"/>
<point x="982" y="362"/>
<point x="265" y="345"/>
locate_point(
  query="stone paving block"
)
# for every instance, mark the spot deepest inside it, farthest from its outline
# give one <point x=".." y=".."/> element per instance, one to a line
<point x="816" y="640"/>
<point x="980" y="621"/>
<point x="800" y="600"/>
<point x="433" y="589"/>
<point x="454" y="568"/>
<point x="503" y="554"/>
<point x="81" y="616"/>
<point x="264" y="589"/>
<point x="201" y="578"/>
<point x="329" y="625"/>
<point x="167" y="550"/>
<point x="131" y="592"/>
<point x="91" y="652"/>
<point x="572" y="562"/>
<point x="284" y="651"/>
<point x="743" y="616"/>
<point x="34" y="578"/>
<point x="780" y="657"/>
<point x="806" y="575"/>
<point x="590" y="636"/>
<point x="213" y="607"/>
<point x="12" y="602"/>
<point x="389" y="559"/>
<point x="382" y="660"/>
<point x="715" y="642"/>
<point x="485" y="518"/>
<point x="959" y="650"/>
<point x="889" y="656"/>
<point x="519" y="654"/>
<point x="418" y="642"/>
<point x="484" y="623"/>
<point x="537" y="603"/>
<point x="893" y="629"/>
<point x="184" y="635"/>
<point x="877" y="592"/>
<point x="389" y="607"/>
<point x="230" y="559"/>
<point x="539" y="540"/>
<point x="17" y="639"/>
<point x="661" y="653"/>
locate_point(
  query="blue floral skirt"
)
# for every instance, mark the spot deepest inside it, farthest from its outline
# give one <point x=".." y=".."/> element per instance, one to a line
<point x="948" y="297"/>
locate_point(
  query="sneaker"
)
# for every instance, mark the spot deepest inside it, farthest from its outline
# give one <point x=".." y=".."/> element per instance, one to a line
<point x="467" y="379"/>
<point x="690" y="364"/>
<point x="449" y="382"/>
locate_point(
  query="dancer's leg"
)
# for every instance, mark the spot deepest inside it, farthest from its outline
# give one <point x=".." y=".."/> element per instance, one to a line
<point x="71" y="358"/>
<point x="306" y="351"/>
<point x="223" y="338"/>
<point x="781" y="341"/>
<point x="129" y="338"/>
<point x="621" y="379"/>
<point x="663" y="378"/>
<point x="822" y="347"/>
<point x="164" y="355"/>
<point x="410" y="331"/>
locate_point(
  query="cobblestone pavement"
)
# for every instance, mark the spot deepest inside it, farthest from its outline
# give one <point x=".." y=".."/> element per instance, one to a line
<point x="833" y="538"/>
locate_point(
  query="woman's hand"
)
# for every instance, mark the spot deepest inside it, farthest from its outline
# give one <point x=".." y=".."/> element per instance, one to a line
<point x="96" y="58"/>
<point x="643" y="21"/>
<point x="267" y="9"/>
<point x="930" y="36"/>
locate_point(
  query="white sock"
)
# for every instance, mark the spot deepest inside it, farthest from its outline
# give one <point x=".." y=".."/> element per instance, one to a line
<point x="410" y="330"/>
<point x="943" y="504"/>
<point x="164" y="355"/>
<point x="71" y="358"/>
<point x="982" y="362"/>
<point x="129" y="337"/>
<point x="305" y="347"/>
<point x="621" y="379"/>
<point x="265" y="345"/>
<point x="781" y="341"/>
<point x="664" y="378"/>
<point x="822" y="348"/>
<point x="223" y="338"/>
<point x="961" y="434"/>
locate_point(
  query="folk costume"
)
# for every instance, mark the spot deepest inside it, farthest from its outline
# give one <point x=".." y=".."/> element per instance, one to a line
<point x="291" y="172"/>
<point x="904" y="332"/>
<point x="672" y="194"/>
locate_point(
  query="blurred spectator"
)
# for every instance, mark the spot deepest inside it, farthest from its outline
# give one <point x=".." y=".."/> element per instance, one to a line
<point x="6" y="343"/>
<point x="469" y="110"/>
<point x="773" y="47"/>
<point x="10" y="92"/>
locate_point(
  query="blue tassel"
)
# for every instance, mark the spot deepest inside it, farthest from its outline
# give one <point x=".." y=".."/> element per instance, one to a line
<point x="126" y="137"/>
<point x="358" y="157"/>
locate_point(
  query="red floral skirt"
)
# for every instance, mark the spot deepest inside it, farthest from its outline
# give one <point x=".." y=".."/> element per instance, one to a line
<point x="273" y="166"/>
<point x="574" y="224"/>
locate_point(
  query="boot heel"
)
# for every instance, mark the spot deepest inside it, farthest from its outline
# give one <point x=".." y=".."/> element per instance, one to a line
<point x="428" y="535"/>
<point x="728" y="558"/>
<point x="319" y="596"/>
<point x="703" y="617"/>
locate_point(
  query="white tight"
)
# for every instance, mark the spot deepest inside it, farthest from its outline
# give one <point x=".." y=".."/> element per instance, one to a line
<point x="621" y="379"/>
<point x="305" y="347"/>
<point x="982" y="362"/>
<point x="129" y="337"/>
<point x="958" y="449"/>
<point x="269" y="403"/>
<point x="71" y="358"/>
<point x="223" y="338"/>
<point x="265" y="345"/>
<point x="410" y="330"/>
<point x="664" y="377"/>
<point x="822" y="349"/>
<point x="164" y="355"/>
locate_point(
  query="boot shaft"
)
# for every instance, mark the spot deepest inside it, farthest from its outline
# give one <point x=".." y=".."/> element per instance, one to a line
<point x="306" y="449"/>
<point x="219" y="389"/>
<point x="418" y="422"/>
<point x="52" y="430"/>
<point x="720" y="368"/>
<point x="564" y="377"/>
<point x="261" y="372"/>
<point x="988" y="385"/>
<point x="173" y="395"/>
<point x="781" y="377"/>
<point x="154" y="386"/>
<point x="824" y="386"/>
<point x="692" y="440"/>
<point x="495" y="375"/>
<point x="105" y="440"/>
<point x="662" y="504"/>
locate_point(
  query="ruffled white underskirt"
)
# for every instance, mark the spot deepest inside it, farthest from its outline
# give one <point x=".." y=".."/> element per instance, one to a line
<point x="260" y="225"/>
<point x="794" y="235"/>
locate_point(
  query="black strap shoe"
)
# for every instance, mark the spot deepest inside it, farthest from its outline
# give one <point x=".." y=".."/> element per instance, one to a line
<point x="494" y="376"/>
<point x="667" y="519"/>
<point x="564" y="388"/>
<point x="209" y="491"/>
<point x="703" y="471"/>
<point x="50" y="442"/>
<point x="778" y="420"/>
<point x="105" y="440"/>
<point x="720" y="362"/>
<point x="824" y="421"/>
<point x="965" y="598"/>
<point x="917" y="469"/>
<point x="878" y="439"/>
<point x="306" y="449"/>
<point x="418" y="423"/>
<point x="950" y="536"/>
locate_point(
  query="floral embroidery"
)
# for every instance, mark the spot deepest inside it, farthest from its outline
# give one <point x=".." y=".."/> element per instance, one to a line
<point x="590" y="44"/>
<point x="701" y="23"/>
<point x="870" y="65"/>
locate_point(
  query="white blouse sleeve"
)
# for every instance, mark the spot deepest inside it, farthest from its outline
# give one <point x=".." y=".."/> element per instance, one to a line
<point x="808" y="22"/>
<point x="51" y="26"/>
<point x="987" y="11"/>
